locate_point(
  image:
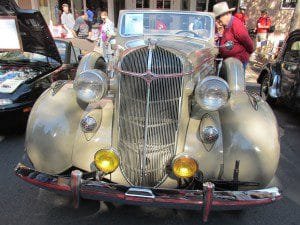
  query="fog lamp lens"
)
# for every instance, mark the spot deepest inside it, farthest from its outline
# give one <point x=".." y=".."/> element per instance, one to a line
<point x="184" y="167"/>
<point x="106" y="160"/>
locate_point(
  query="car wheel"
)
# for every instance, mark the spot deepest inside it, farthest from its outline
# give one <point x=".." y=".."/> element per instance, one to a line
<point x="264" y="90"/>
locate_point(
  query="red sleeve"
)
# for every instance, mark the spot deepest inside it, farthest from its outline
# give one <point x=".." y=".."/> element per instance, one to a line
<point x="242" y="36"/>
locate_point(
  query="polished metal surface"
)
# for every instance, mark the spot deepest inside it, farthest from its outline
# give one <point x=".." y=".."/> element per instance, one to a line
<point x="148" y="115"/>
<point x="88" y="124"/>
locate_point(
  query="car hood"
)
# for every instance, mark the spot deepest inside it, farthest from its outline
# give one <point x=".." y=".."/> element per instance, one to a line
<point x="34" y="32"/>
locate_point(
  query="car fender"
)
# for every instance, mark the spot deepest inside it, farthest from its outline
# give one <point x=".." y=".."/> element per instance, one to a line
<point x="52" y="128"/>
<point x="250" y="135"/>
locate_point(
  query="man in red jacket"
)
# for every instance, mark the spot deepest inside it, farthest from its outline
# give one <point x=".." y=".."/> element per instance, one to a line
<point x="263" y="26"/>
<point x="234" y="31"/>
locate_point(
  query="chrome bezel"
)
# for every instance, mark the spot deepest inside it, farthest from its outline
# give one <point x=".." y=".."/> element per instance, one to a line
<point x="87" y="130"/>
<point x="209" y="140"/>
<point x="201" y="83"/>
<point x="100" y="75"/>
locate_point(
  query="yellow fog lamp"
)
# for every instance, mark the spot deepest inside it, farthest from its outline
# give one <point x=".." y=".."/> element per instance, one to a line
<point x="184" y="167"/>
<point x="106" y="161"/>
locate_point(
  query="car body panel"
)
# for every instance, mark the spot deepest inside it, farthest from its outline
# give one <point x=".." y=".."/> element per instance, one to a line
<point x="54" y="130"/>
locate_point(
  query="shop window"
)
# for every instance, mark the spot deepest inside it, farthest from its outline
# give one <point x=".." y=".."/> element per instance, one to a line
<point x="163" y="4"/>
<point x="201" y="5"/>
<point x="142" y="4"/>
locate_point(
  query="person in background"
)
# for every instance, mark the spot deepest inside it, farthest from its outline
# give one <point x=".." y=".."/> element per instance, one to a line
<point x="56" y="14"/>
<point x="107" y="29"/>
<point x="263" y="26"/>
<point x="83" y="27"/>
<point x="241" y="15"/>
<point x="234" y="31"/>
<point x="90" y="14"/>
<point x="67" y="18"/>
<point x="107" y="40"/>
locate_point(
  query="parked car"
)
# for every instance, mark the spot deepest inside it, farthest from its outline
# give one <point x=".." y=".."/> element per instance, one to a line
<point x="25" y="74"/>
<point x="155" y="126"/>
<point x="280" y="79"/>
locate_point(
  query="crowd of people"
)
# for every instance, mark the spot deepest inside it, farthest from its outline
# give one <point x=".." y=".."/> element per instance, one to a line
<point x="233" y="27"/>
<point x="80" y="29"/>
<point x="229" y="27"/>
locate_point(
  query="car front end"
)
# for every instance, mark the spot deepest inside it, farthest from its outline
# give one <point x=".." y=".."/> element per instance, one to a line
<point x="159" y="129"/>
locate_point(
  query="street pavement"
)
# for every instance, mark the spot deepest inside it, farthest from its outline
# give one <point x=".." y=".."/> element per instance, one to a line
<point x="23" y="204"/>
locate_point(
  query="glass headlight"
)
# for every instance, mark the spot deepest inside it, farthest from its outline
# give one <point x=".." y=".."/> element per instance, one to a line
<point x="212" y="93"/>
<point x="90" y="85"/>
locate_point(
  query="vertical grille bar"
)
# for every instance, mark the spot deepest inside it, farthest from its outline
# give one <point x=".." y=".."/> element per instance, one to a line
<point x="148" y="119"/>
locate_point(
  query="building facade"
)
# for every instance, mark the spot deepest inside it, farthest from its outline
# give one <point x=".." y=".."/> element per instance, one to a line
<point x="280" y="11"/>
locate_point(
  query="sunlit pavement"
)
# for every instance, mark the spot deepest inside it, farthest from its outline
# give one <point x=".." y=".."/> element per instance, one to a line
<point x="21" y="203"/>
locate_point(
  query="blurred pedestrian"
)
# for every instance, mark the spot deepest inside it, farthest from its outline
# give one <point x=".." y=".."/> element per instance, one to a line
<point x="57" y="14"/>
<point x="107" y="39"/>
<point x="90" y="14"/>
<point x="67" y="18"/>
<point x="263" y="26"/>
<point x="241" y="15"/>
<point x="107" y="29"/>
<point x="235" y="32"/>
<point x="83" y="27"/>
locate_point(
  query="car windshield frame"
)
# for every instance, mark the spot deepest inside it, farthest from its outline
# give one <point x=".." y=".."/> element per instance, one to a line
<point x="163" y="33"/>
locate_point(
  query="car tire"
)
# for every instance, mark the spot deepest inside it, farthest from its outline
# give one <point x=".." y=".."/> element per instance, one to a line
<point x="264" y="90"/>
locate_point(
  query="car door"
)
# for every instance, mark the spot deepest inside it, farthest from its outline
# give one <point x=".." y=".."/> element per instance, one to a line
<point x="290" y="67"/>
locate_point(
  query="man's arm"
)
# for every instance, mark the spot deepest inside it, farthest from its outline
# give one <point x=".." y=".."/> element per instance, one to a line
<point x="243" y="37"/>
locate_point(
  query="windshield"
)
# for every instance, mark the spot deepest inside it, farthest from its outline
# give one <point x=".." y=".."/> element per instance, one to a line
<point x="24" y="57"/>
<point x="167" y="23"/>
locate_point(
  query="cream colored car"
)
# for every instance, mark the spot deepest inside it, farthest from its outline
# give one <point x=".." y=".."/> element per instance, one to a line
<point x="154" y="125"/>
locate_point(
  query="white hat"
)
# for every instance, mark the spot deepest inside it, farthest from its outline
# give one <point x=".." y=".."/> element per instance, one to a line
<point x="221" y="8"/>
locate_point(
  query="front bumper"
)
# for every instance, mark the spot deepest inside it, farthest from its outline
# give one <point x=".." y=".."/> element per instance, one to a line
<point x="205" y="199"/>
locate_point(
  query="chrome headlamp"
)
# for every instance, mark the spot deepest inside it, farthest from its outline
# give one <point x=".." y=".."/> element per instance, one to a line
<point x="90" y="85"/>
<point x="212" y="93"/>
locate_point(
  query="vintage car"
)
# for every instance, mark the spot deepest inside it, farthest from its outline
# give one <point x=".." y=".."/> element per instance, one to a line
<point x="155" y="126"/>
<point x="26" y="73"/>
<point x="280" y="79"/>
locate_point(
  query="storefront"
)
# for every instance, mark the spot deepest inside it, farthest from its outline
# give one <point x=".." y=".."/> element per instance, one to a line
<point x="280" y="11"/>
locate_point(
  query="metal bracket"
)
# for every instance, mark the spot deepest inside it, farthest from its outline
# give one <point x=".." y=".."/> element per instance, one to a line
<point x="76" y="176"/>
<point x="208" y="189"/>
<point x="140" y="192"/>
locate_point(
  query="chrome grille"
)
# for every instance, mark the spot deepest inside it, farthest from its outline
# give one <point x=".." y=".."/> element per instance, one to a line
<point x="148" y="115"/>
